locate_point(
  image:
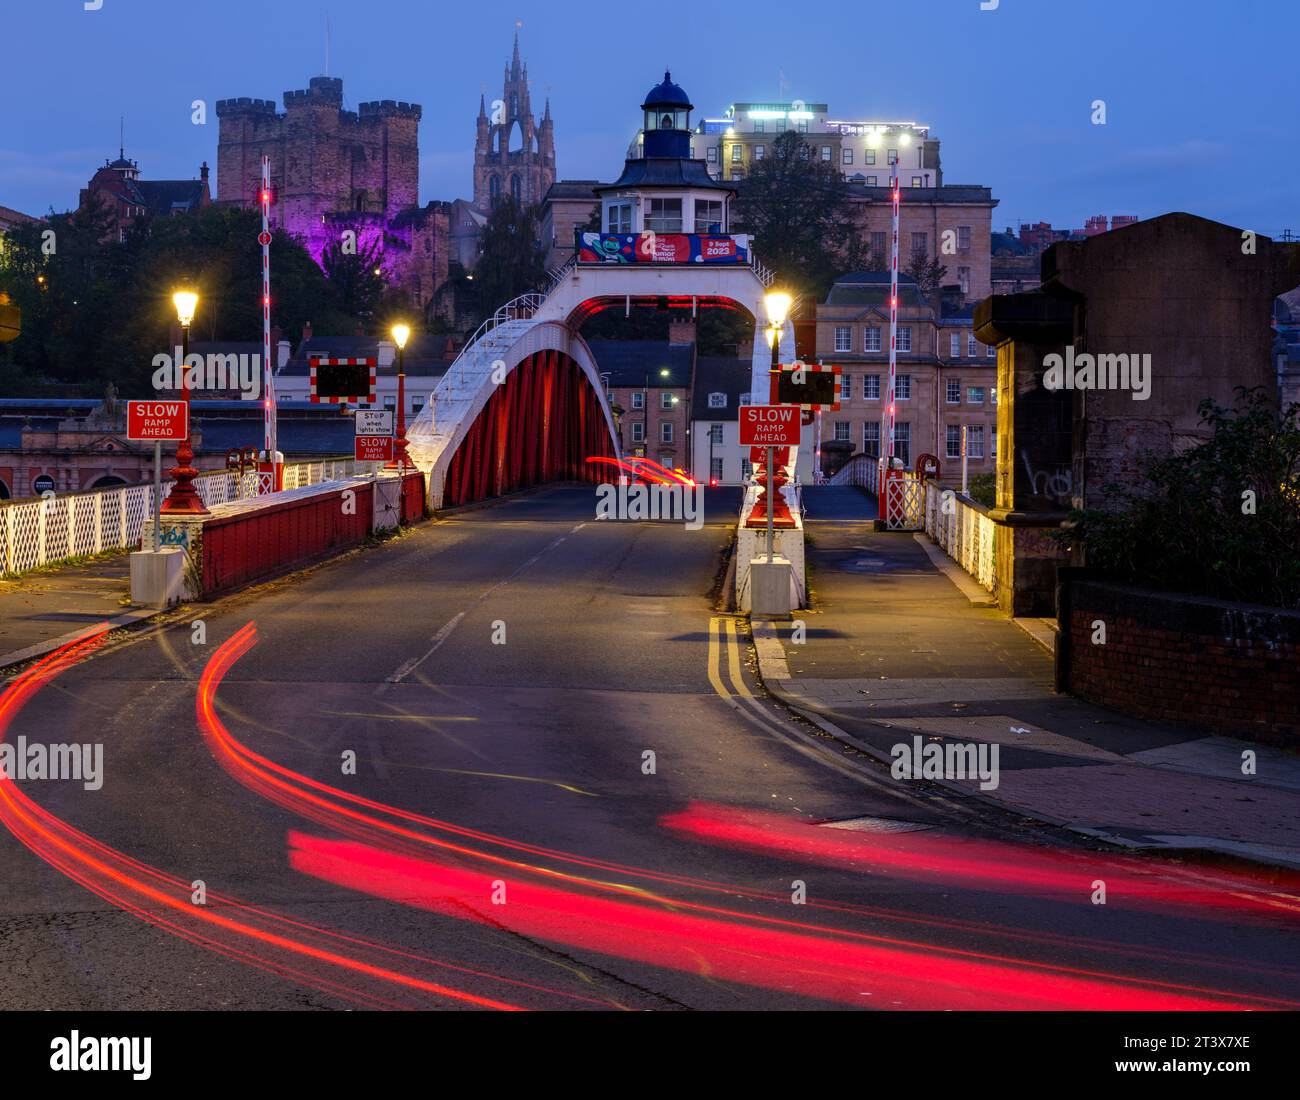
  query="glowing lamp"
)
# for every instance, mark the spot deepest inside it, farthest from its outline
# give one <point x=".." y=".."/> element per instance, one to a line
<point x="186" y="302"/>
<point x="778" y="305"/>
<point x="401" y="333"/>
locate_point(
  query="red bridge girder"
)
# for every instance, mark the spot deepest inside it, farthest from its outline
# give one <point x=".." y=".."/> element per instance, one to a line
<point x="541" y="424"/>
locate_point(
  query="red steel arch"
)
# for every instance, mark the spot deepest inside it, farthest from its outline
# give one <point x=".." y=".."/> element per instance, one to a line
<point x="541" y="424"/>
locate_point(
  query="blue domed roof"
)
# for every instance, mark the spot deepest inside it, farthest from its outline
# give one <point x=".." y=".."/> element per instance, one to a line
<point x="667" y="94"/>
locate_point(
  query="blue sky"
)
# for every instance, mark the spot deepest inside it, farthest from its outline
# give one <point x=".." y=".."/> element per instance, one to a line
<point x="1202" y="96"/>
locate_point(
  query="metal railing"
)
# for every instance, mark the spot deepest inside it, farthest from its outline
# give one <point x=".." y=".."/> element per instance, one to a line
<point x="56" y="528"/>
<point x="964" y="531"/>
<point x="862" y="470"/>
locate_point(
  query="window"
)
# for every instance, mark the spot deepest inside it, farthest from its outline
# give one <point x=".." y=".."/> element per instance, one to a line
<point x="993" y="442"/>
<point x="715" y="433"/>
<point x="666" y="432"/>
<point x="953" y="441"/>
<point x="715" y="469"/>
<point x="954" y="348"/>
<point x="717" y="401"/>
<point x="904" y="338"/>
<point x="963" y="280"/>
<point x="975" y="441"/>
<point x="869" y="157"/>
<point x="990" y="351"/>
<point x="417" y="403"/>
<point x="664" y="216"/>
<point x="893" y="157"/>
<point x="871" y="341"/>
<point x="920" y="244"/>
<point x="665" y="400"/>
<point x="745" y="399"/>
<point x="903" y="442"/>
<point x="746" y="469"/>
<point x="878" y="246"/>
<point x="390" y="403"/>
<point x="712" y="154"/>
<point x="737" y="175"/>
<point x="638" y="399"/>
<point x="760" y="151"/>
<point x="826" y="153"/>
<point x="846" y="387"/>
<point x="954" y="391"/>
<point x="847" y="156"/>
<point x="802" y="126"/>
<point x="843" y="338"/>
<point x="975" y="395"/>
<point x="735" y="154"/>
<point x="638" y="432"/>
<point x="972" y="345"/>
<point x="842" y="431"/>
<point x="963" y="238"/>
<point x="918" y="181"/>
<point x="903" y="387"/>
<point x="804" y="147"/>
<point x="620" y="217"/>
<point x="871" y="181"/>
<point x="871" y="387"/>
<point x="758" y="126"/>
<point x="871" y="439"/>
<point x="993" y="395"/>
<point x="708" y="215"/>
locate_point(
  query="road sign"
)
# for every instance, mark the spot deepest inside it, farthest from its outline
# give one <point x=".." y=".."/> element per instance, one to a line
<point x="157" y="421"/>
<point x="769" y="425"/>
<point x="43" y="484"/>
<point x="338" y="380"/>
<point x="374" y="422"/>
<point x="811" y="385"/>
<point x="373" y="448"/>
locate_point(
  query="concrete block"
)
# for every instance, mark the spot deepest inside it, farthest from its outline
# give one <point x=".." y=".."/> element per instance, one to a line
<point x="769" y="584"/>
<point x="158" y="576"/>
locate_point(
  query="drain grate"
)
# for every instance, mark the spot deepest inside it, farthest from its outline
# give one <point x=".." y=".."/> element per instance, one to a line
<point x="876" y="825"/>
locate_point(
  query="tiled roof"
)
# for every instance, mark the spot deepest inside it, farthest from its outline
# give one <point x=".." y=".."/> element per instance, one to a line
<point x="730" y="377"/>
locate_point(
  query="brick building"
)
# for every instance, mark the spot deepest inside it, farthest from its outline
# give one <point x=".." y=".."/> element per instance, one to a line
<point x="125" y="196"/>
<point x="651" y="382"/>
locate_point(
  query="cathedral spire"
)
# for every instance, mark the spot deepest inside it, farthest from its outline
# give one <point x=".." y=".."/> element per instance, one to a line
<point x="482" y="106"/>
<point x="514" y="61"/>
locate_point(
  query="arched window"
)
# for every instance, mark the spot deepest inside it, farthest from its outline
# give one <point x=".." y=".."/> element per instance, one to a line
<point x="108" y="481"/>
<point x="515" y="192"/>
<point x="4" y="491"/>
<point x="494" y="190"/>
<point x="360" y="202"/>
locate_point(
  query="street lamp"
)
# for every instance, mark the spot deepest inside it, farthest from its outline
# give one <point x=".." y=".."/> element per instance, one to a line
<point x="777" y="304"/>
<point x="184" y="499"/>
<point x="401" y="333"/>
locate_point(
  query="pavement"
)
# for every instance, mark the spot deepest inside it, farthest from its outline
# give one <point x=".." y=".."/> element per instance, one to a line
<point x="896" y="646"/>
<point x="43" y="609"/>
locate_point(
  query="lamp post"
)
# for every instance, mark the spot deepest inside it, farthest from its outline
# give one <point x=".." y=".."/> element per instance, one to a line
<point x="778" y="308"/>
<point x="401" y="333"/>
<point x="184" y="499"/>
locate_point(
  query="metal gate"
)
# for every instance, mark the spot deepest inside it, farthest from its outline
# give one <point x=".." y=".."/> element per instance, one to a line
<point x="904" y="505"/>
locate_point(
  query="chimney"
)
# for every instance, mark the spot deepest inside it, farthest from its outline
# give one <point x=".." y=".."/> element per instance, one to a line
<point x="203" y="171"/>
<point x="283" y="350"/>
<point x="306" y="332"/>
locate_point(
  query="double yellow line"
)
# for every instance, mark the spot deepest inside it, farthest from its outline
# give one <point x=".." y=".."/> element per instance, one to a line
<point x="733" y="689"/>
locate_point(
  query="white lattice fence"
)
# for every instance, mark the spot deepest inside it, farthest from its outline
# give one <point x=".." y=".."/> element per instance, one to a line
<point x="964" y="532"/>
<point x="41" y="532"/>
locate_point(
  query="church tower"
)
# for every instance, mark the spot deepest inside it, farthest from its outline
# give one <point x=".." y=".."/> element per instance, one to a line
<point x="513" y="155"/>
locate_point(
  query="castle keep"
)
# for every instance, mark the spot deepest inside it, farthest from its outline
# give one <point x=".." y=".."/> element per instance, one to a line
<point x="334" y="170"/>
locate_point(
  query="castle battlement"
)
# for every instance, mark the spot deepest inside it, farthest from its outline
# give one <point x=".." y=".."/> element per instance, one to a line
<point x="322" y="91"/>
<point x="228" y="108"/>
<point x="388" y="108"/>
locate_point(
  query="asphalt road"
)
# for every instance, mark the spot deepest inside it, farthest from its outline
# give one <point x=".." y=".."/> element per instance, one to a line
<point x="515" y="759"/>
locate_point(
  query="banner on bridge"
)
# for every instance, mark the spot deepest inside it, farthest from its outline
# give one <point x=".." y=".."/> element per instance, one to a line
<point x="663" y="248"/>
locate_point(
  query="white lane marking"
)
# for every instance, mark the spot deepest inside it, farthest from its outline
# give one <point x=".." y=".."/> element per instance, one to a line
<point x="444" y="632"/>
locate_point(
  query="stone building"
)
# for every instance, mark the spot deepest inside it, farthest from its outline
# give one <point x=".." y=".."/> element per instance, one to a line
<point x="338" y="178"/>
<point x="946" y="380"/>
<point x="514" y="156"/>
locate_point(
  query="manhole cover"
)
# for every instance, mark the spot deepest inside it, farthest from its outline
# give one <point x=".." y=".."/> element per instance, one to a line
<point x="876" y="825"/>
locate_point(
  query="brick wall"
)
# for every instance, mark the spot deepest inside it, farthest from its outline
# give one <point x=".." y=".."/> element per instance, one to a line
<point x="1227" y="668"/>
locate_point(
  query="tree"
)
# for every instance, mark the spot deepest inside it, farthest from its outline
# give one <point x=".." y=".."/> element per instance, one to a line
<point x="797" y="206"/>
<point x="927" y="273"/>
<point x="355" y="280"/>
<point x="510" y="259"/>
